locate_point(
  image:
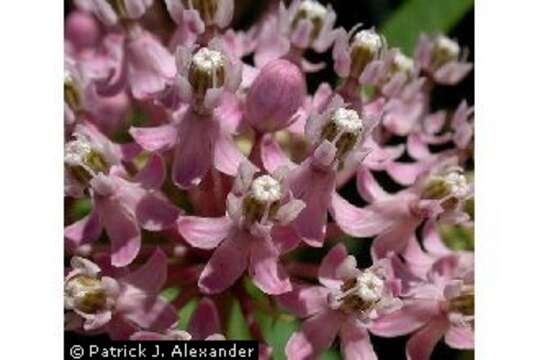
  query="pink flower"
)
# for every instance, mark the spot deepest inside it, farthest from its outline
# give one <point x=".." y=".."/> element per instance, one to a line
<point x="306" y="24"/>
<point x="121" y="204"/>
<point x="440" y="303"/>
<point x="254" y="233"/>
<point x="111" y="12"/>
<point x="337" y="134"/>
<point x="347" y="304"/>
<point x="195" y="16"/>
<point x="199" y="134"/>
<point x="439" y="193"/>
<point x="119" y="306"/>
<point x="442" y="59"/>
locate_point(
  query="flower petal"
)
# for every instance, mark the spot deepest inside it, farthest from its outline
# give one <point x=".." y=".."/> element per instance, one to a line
<point x="421" y="345"/>
<point x="316" y="335"/>
<point x="122" y="229"/>
<point x="204" y="233"/>
<point x="220" y="272"/>
<point x="265" y="271"/>
<point x="205" y="320"/>
<point x="151" y="276"/>
<point x="355" y="342"/>
<point x="155" y="138"/>
<point x="84" y="231"/>
<point x="304" y="301"/>
<point x="460" y="337"/>
<point x="412" y="315"/>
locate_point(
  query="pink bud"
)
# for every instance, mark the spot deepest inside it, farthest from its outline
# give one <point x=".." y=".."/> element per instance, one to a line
<point x="275" y="96"/>
<point x="82" y="30"/>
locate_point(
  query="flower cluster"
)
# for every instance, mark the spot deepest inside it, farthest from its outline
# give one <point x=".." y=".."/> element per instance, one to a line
<point x="208" y="166"/>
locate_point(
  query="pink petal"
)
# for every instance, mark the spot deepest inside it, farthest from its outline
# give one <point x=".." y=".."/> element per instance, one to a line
<point x="452" y="73"/>
<point x="151" y="276"/>
<point x="314" y="188"/>
<point x="265" y="271"/>
<point x="220" y="272"/>
<point x="272" y="155"/>
<point x="153" y="174"/>
<point x="335" y="267"/>
<point x="432" y="240"/>
<point x="227" y="157"/>
<point x="84" y="231"/>
<point x="285" y="238"/>
<point x="147" y="311"/>
<point x="395" y="239"/>
<point x="355" y="342"/>
<point x="413" y="315"/>
<point x="316" y="335"/>
<point x="364" y="222"/>
<point x="194" y="150"/>
<point x="460" y="337"/>
<point x="155" y="212"/>
<point x="421" y="345"/>
<point x="416" y="147"/>
<point x="368" y="187"/>
<point x="204" y="233"/>
<point x="304" y="301"/>
<point x="205" y="320"/>
<point x="155" y="138"/>
<point x="122" y="229"/>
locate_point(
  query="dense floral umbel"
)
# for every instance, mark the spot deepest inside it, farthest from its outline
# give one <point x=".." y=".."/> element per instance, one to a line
<point x="196" y="161"/>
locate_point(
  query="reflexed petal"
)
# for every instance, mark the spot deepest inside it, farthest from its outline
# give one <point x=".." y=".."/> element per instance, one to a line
<point x="304" y="301"/>
<point x="151" y="276"/>
<point x="205" y="320"/>
<point x="316" y="335"/>
<point x="421" y="345"/>
<point x="355" y="342"/>
<point x="265" y="271"/>
<point x="220" y="272"/>
<point x="204" y="233"/>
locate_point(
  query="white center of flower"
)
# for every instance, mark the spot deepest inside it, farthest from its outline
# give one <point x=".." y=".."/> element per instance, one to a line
<point x="403" y="63"/>
<point x="208" y="60"/>
<point x="76" y="151"/>
<point x="266" y="189"/>
<point x="348" y="121"/>
<point x="457" y="182"/>
<point x="369" y="287"/>
<point x="448" y="46"/>
<point x="312" y="9"/>
<point x="368" y="39"/>
<point x="68" y="78"/>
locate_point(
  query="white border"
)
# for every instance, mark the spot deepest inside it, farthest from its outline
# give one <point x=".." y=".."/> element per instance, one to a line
<point x="31" y="117"/>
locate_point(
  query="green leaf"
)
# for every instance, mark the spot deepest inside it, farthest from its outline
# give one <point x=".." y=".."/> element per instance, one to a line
<point x="185" y="314"/>
<point x="416" y="16"/>
<point x="81" y="208"/>
<point x="237" y="329"/>
<point x="170" y="294"/>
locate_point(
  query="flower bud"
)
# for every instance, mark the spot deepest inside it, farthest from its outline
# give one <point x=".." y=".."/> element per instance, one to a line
<point x="82" y="30"/>
<point x="275" y="96"/>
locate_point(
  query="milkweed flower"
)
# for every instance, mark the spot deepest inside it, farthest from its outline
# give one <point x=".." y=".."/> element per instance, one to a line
<point x="198" y="134"/>
<point x="337" y="134"/>
<point x="346" y="304"/>
<point x="120" y="203"/>
<point x="120" y="306"/>
<point x="439" y="304"/>
<point x="442" y="59"/>
<point x="305" y="24"/>
<point x="438" y="193"/>
<point x="254" y="232"/>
